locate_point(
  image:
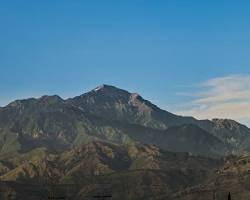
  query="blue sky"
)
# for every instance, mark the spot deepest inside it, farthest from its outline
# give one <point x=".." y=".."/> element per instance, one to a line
<point x="165" y="50"/>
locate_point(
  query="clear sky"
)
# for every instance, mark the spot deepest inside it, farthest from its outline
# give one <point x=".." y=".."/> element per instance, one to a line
<point x="165" y="50"/>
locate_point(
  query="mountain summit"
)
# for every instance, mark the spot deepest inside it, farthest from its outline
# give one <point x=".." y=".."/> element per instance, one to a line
<point x="115" y="104"/>
<point x="105" y="87"/>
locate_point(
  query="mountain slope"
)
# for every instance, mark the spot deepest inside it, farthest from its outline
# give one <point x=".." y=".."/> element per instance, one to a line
<point x="98" y="158"/>
<point x="232" y="177"/>
<point x="232" y="133"/>
<point x="142" y="170"/>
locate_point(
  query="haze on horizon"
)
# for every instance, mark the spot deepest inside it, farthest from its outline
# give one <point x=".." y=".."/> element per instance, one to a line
<point x="190" y="58"/>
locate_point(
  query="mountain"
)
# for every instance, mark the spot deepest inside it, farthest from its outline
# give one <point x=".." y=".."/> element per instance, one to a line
<point x="232" y="133"/>
<point x="111" y="114"/>
<point x="109" y="140"/>
<point x="138" y="168"/>
<point x="98" y="158"/>
<point x="232" y="177"/>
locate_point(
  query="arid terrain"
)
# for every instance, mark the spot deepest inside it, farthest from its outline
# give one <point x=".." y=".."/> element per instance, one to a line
<point x="115" y="143"/>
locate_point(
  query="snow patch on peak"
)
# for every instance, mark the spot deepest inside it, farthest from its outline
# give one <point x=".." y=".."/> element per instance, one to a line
<point x="135" y="96"/>
<point x="100" y="87"/>
<point x="106" y="87"/>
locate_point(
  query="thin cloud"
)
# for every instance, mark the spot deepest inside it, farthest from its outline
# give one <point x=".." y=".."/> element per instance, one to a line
<point x="222" y="97"/>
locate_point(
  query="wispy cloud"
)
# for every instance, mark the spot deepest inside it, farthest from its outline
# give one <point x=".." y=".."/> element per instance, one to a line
<point x="222" y="97"/>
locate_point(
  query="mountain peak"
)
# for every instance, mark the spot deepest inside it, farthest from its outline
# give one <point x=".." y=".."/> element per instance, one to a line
<point x="108" y="91"/>
<point x="103" y="86"/>
<point x="50" y="98"/>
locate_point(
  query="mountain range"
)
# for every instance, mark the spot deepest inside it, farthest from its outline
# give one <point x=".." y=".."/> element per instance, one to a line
<point x="110" y="134"/>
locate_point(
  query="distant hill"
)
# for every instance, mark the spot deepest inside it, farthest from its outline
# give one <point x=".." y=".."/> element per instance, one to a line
<point x="140" y="167"/>
<point x="232" y="177"/>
